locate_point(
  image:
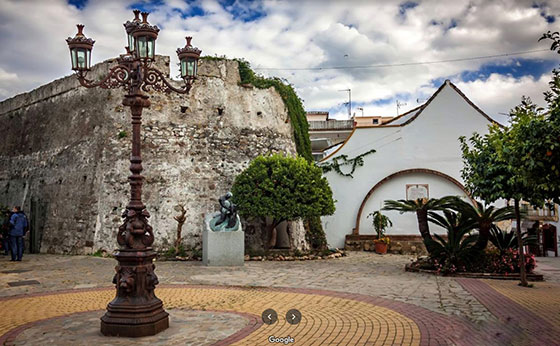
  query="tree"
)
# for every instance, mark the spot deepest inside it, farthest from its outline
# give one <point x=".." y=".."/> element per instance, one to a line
<point x="281" y="188"/>
<point x="484" y="217"/>
<point x="181" y="218"/>
<point x="421" y="207"/>
<point x="506" y="163"/>
<point x="459" y="247"/>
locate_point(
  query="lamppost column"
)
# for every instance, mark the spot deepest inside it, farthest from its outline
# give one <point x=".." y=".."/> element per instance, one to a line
<point x="136" y="104"/>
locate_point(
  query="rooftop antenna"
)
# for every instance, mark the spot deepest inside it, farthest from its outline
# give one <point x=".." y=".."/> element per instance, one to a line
<point x="361" y="109"/>
<point x="349" y="103"/>
<point x="399" y="105"/>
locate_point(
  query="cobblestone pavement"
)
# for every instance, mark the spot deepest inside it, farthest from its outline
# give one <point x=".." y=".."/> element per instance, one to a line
<point x="360" y="299"/>
<point x="186" y="327"/>
<point x="549" y="267"/>
<point x="360" y="272"/>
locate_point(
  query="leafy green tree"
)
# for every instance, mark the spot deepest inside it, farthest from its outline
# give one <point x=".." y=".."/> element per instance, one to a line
<point x="492" y="170"/>
<point x="421" y="207"/>
<point x="281" y="188"/>
<point x="513" y="162"/>
<point x="484" y="217"/>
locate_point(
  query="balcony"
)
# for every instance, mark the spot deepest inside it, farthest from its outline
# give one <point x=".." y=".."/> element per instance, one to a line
<point x="331" y="125"/>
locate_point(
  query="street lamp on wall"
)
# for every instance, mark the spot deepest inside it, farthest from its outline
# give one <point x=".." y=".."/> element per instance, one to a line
<point x="135" y="311"/>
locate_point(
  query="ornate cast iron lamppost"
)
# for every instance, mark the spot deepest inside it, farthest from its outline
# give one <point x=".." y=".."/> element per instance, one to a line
<point x="135" y="311"/>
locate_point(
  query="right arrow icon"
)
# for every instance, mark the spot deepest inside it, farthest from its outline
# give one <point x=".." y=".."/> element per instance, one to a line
<point x="293" y="316"/>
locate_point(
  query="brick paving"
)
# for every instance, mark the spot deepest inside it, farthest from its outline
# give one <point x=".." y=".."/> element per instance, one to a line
<point x="361" y="299"/>
<point x="528" y="322"/>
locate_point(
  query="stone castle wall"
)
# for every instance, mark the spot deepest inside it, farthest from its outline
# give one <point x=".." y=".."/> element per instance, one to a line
<point x="65" y="150"/>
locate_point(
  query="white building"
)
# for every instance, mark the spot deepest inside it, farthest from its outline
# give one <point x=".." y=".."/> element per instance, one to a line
<point x="417" y="153"/>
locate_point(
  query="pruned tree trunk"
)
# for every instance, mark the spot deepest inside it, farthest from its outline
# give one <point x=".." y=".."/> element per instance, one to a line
<point x="522" y="270"/>
<point x="273" y="237"/>
<point x="269" y="234"/>
<point x="180" y="221"/>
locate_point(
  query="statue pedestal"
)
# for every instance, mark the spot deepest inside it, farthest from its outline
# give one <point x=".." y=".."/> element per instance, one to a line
<point x="222" y="248"/>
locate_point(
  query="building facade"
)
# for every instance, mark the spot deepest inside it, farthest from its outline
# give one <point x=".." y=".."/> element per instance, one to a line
<point x="417" y="155"/>
<point x="64" y="156"/>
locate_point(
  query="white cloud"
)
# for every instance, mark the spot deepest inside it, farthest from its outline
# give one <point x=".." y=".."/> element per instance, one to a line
<point x="301" y="34"/>
<point x="499" y="93"/>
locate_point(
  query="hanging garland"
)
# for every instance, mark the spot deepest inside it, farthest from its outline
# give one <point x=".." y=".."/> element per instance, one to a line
<point x="335" y="165"/>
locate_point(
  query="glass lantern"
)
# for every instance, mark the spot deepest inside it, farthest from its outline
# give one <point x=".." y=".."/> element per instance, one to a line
<point x="188" y="57"/>
<point x="144" y="37"/>
<point x="145" y="46"/>
<point x="80" y="50"/>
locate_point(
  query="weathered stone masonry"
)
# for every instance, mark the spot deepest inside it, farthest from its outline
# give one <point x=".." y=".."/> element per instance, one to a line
<point x="65" y="149"/>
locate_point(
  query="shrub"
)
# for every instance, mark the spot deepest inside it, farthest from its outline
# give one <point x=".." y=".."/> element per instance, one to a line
<point x="506" y="262"/>
<point x="283" y="189"/>
<point x="504" y="241"/>
<point x="458" y="249"/>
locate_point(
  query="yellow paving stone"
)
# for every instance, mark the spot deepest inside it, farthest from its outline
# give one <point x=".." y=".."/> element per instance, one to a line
<point x="325" y="319"/>
<point x="543" y="298"/>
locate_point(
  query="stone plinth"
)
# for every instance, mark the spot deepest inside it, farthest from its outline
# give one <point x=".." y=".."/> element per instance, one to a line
<point x="222" y="248"/>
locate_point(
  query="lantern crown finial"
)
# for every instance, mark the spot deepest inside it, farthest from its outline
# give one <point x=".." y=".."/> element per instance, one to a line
<point x="136" y="15"/>
<point x="145" y="17"/>
<point x="80" y="38"/>
<point x="188" y="49"/>
<point x="80" y="30"/>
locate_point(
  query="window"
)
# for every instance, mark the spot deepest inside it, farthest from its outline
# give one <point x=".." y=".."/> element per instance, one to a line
<point x="375" y="121"/>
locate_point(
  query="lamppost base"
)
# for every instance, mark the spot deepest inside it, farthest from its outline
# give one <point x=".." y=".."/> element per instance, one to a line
<point x="133" y="325"/>
<point x="135" y="311"/>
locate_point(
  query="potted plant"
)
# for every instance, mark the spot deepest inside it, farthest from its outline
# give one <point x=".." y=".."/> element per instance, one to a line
<point x="380" y="224"/>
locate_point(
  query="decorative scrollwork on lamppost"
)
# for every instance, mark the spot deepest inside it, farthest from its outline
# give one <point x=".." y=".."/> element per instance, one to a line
<point x="135" y="311"/>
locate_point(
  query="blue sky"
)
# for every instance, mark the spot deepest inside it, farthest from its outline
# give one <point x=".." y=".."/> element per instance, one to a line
<point x="307" y="34"/>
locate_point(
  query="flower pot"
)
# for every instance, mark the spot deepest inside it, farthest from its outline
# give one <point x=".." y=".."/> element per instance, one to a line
<point x="380" y="248"/>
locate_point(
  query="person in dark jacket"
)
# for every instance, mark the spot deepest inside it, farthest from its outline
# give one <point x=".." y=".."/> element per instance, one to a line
<point x="18" y="223"/>
<point x="5" y="226"/>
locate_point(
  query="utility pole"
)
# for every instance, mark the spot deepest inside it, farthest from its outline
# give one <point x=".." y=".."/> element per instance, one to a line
<point x="349" y="102"/>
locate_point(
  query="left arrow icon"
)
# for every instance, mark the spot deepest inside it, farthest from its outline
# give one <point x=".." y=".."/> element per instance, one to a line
<point x="269" y="316"/>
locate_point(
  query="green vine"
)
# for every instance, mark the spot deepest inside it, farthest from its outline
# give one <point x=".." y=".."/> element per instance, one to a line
<point x="314" y="230"/>
<point x="292" y="102"/>
<point x="335" y="165"/>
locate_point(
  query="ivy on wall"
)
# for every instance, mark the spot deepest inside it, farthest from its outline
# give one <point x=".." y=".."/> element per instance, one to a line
<point x="314" y="231"/>
<point x="291" y="101"/>
<point x="342" y="160"/>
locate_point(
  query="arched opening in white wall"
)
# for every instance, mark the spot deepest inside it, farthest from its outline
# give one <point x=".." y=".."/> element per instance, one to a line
<point x="415" y="182"/>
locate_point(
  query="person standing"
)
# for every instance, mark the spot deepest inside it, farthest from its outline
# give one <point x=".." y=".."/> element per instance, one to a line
<point x="18" y="223"/>
<point x="5" y="227"/>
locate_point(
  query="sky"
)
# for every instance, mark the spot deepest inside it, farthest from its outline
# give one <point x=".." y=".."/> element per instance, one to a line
<point x="384" y="51"/>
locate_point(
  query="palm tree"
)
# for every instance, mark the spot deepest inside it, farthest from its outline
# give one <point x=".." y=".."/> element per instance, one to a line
<point x="459" y="246"/>
<point x="503" y="240"/>
<point x="421" y="207"/>
<point x="485" y="217"/>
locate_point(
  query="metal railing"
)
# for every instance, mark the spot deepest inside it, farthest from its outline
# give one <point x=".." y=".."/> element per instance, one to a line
<point x="331" y="125"/>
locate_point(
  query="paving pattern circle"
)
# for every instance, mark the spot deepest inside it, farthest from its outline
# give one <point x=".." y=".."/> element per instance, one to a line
<point x="326" y="319"/>
<point x="187" y="327"/>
